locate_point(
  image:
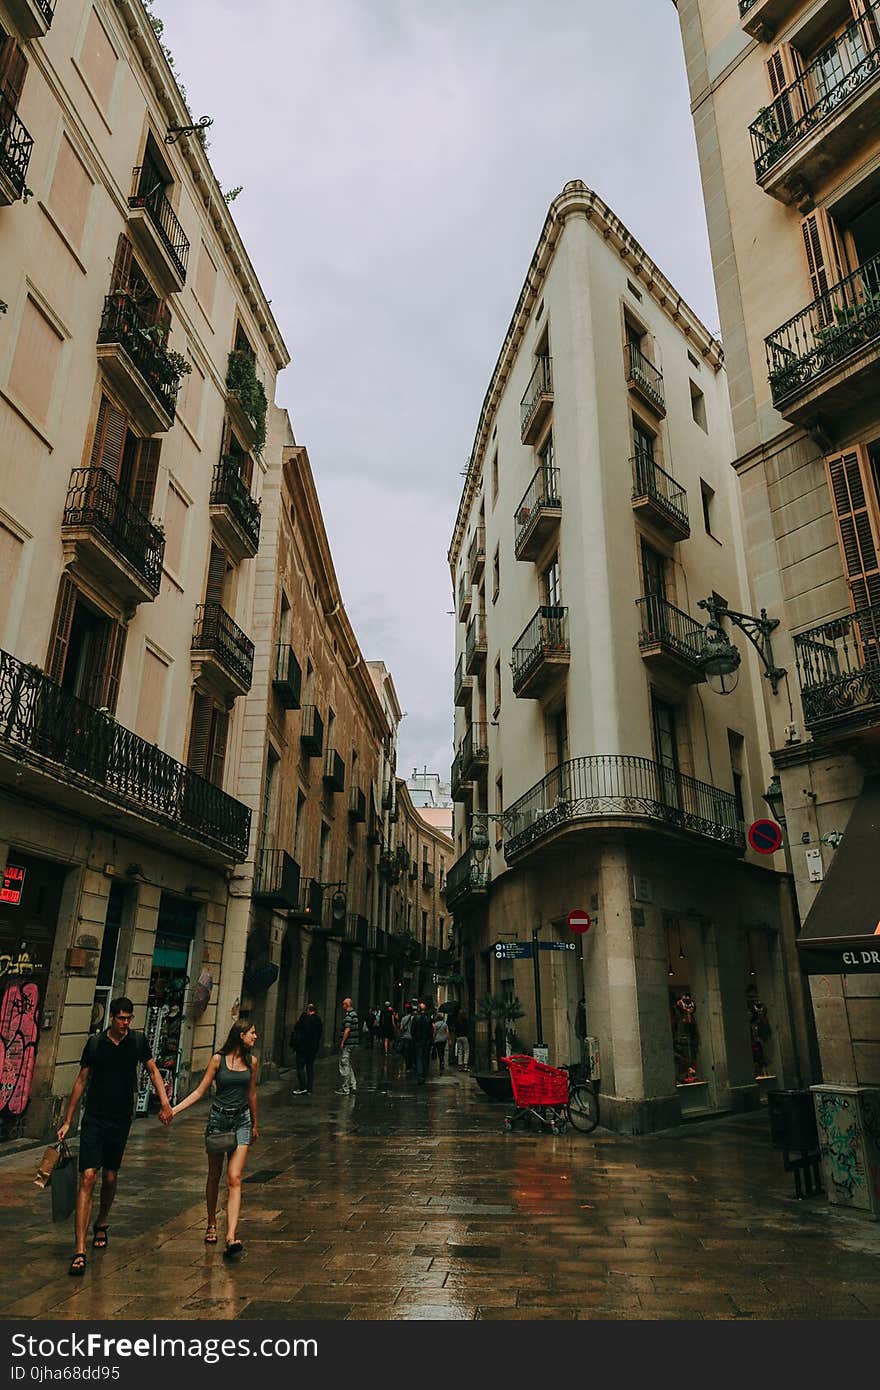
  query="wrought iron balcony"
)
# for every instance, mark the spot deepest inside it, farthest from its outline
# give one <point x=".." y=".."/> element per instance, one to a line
<point x="835" y="99"/>
<point x="222" y="649"/>
<point x="670" y="639"/>
<point x="475" y="751"/>
<point x="413" y="871"/>
<point x="133" y="355"/>
<point x="32" y="18"/>
<point x="334" y="771"/>
<point x="619" y="788"/>
<point x="106" y="534"/>
<point x="536" y="519"/>
<point x="645" y="379"/>
<point x="465" y="594"/>
<point x="311" y="734"/>
<point x="467" y="880"/>
<point x="357" y="804"/>
<point x="838" y="666"/>
<point x="310" y="904"/>
<point x="460" y="790"/>
<point x="157" y="230"/>
<point x="658" y="497"/>
<point x="16" y="147"/>
<point x="61" y="749"/>
<point x="287" y="681"/>
<point x="427" y="876"/>
<point x="357" y="930"/>
<point x="374" y="831"/>
<point x="829" y="353"/>
<point x="475" y="644"/>
<point x="461" y="686"/>
<point x="235" y="514"/>
<point x="541" y="654"/>
<point x="403" y="858"/>
<point x="537" y="401"/>
<point x="276" y="879"/>
<point x="477" y="555"/>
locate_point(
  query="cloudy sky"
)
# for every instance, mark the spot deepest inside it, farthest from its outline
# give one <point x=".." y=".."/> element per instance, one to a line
<point x="398" y="158"/>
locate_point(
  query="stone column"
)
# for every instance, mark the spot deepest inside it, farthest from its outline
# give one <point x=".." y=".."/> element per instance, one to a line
<point x="269" y="1062"/>
<point x="331" y="1012"/>
<point x="305" y="942"/>
<point x="232" y="966"/>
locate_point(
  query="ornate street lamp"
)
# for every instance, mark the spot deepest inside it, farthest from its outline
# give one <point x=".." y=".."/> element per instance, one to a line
<point x="720" y="659"/>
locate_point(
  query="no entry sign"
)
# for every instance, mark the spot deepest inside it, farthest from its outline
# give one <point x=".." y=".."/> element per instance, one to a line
<point x="579" y="921"/>
<point x="765" y="836"/>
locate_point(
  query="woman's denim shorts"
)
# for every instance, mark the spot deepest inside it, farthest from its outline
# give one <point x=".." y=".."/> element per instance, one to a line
<point x="218" y="1121"/>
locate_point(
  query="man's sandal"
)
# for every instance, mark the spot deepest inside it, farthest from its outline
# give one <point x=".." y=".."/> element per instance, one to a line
<point x="211" y="1235"/>
<point x="78" y="1263"/>
<point x="100" y="1239"/>
<point x="233" y="1249"/>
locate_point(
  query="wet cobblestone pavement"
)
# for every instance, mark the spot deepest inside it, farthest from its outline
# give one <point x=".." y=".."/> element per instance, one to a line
<point x="406" y="1203"/>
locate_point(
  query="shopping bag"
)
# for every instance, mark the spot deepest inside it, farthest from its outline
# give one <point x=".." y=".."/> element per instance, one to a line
<point x="64" y="1185"/>
<point x="48" y="1163"/>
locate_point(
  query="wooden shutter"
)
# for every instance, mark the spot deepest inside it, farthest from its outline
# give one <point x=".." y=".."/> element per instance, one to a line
<point x="13" y="70"/>
<point x="102" y="681"/>
<point x="866" y="15"/>
<point x="216" y="575"/>
<point x="160" y="314"/>
<point x="858" y="525"/>
<point x="246" y="466"/>
<point x="199" y="734"/>
<point x="109" y="441"/>
<point x="219" y="738"/>
<point x="120" y="280"/>
<point x="825" y="257"/>
<point x="784" y="67"/>
<point x="60" y="639"/>
<point x="144" y="482"/>
<point x="226" y="446"/>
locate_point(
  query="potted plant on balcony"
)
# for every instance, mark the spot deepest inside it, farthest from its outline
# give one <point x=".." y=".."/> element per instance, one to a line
<point x="242" y="381"/>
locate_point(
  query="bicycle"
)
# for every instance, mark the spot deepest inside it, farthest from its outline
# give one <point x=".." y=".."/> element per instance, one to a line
<point x="582" y="1110"/>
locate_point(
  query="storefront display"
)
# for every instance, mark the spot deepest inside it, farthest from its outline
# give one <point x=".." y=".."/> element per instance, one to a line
<point x="685" y="1037"/>
<point x="167" y="997"/>
<point x="760" y="1031"/>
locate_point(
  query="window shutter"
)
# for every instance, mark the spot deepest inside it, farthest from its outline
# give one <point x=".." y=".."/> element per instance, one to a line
<point x="112" y="671"/>
<point x="216" y="575"/>
<point x="858" y="524"/>
<point x="226" y="446"/>
<point x="120" y="280"/>
<point x="866" y="15"/>
<point x="144" y="483"/>
<point x="13" y="70"/>
<point x="60" y="639"/>
<point x="825" y="259"/>
<point x="219" y="737"/>
<point x="199" y="734"/>
<point x="784" y="67"/>
<point x="161" y="316"/>
<point x="247" y="471"/>
<point x="109" y="441"/>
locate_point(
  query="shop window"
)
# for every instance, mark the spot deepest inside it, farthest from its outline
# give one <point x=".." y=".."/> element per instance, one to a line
<point x="760" y="1027"/>
<point x="166" y="999"/>
<point x="684" y="1021"/>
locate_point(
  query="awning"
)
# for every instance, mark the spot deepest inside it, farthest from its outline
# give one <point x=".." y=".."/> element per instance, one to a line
<point x="841" y="935"/>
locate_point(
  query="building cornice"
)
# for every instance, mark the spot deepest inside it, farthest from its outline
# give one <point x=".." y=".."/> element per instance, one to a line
<point x="575" y="200"/>
<point x="155" y="65"/>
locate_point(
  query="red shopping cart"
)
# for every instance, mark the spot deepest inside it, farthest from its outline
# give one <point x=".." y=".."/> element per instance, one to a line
<point x="539" y="1092"/>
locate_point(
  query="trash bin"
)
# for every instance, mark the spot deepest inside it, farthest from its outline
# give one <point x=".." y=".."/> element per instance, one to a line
<point x="792" y="1121"/>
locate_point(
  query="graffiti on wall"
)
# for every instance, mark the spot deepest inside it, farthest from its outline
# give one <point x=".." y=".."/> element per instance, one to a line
<point x="840" y="1144"/>
<point x="19" y="1030"/>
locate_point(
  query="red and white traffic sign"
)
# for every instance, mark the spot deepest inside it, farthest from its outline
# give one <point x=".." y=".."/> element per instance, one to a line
<point x="765" y="836"/>
<point x="579" y="922"/>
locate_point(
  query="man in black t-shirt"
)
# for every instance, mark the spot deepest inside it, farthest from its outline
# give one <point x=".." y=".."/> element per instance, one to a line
<point x="108" y="1075"/>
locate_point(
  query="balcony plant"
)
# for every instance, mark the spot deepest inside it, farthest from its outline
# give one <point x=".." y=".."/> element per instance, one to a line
<point x="243" y="382"/>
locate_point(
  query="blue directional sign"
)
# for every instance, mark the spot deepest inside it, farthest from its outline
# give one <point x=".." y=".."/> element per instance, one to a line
<point x="557" y="945"/>
<point x="512" y="950"/>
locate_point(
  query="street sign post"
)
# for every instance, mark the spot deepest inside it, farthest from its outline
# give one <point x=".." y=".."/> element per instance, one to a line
<point x="579" y="921"/>
<point x="557" y="946"/>
<point x="765" y="836"/>
<point x="512" y="950"/>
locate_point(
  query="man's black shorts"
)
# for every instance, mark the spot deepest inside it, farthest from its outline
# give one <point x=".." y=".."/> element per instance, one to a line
<point x="102" y="1143"/>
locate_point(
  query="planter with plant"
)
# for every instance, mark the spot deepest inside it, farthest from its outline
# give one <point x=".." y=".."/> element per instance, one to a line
<point x="242" y="381"/>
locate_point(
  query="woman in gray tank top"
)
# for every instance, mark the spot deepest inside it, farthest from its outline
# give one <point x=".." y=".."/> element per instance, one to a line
<point x="233" y="1113"/>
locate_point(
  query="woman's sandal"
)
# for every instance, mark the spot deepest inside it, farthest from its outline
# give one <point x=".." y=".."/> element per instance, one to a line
<point x="100" y="1238"/>
<point x="78" y="1263"/>
<point x="233" y="1249"/>
<point x="211" y="1235"/>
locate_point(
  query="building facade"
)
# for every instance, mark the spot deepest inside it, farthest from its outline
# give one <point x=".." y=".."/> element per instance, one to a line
<point x="137" y="353"/>
<point x="785" y="102"/>
<point x="598" y="510"/>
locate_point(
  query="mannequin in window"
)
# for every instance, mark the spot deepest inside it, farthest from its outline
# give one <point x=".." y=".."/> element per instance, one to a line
<point x="687" y="1034"/>
<point x="759" y="1028"/>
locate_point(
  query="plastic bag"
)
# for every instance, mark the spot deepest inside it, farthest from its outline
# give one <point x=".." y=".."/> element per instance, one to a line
<point x="64" y="1184"/>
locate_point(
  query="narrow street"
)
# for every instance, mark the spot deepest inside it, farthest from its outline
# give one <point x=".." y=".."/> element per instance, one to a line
<point x="404" y="1203"/>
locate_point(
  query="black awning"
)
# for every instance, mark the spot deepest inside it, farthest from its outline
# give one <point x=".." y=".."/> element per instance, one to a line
<point x="841" y="935"/>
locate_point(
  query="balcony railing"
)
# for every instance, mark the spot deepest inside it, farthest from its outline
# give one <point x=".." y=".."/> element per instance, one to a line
<point x="16" y="146"/>
<point x="854" y="57"/>
<point x="461" y="685"/>
<point x="276" y="879"/>
<point x="151" y="197"/>
<point x="466" y="877"/>
<point x="475" y="643"/>
<point x="545" y="639"/>
<point x="95" y="499"/>
<point x="287" y="681"/>
<point x="459" y="788"/>
<point x="464" y="598"/>
<point x="44" y="727"/>
<point x="664" y="625"/>
<point x="841" y="322"/>
<point x="427" y="876"/>
<point x="537" y="398"/>
<point x="645" y="378"/>
<point x="838" y="666"/>
<point x="310" y="905"/>
<point x="334" y="770"/>
<point x="357" y="804"/>
<point x="630" y="788"/>
<point x="215" y="632"/>
<point x="661" y="489"/>
<point x="47" y="8"/>
<point x="541" y="498"/>
<point x="745" y="6"/>
<point x="228" y="489"/>
<point x="477" y="554"/>
<point x="122" y="323"/>
<point x="475" y="748"/>
<point x="311" y="734"/>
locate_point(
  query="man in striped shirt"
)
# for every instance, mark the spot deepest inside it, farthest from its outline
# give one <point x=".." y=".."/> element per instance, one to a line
<point x="349" y="1040"/>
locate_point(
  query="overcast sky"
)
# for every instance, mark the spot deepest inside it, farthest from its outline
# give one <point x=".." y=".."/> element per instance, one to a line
<point x="398" y="159"/>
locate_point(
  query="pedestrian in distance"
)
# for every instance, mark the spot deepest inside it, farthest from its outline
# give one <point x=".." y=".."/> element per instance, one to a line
<point x="367" y="1029"/>
<point x="405" y="1041"/>
<point x="233" y="1071"/>
<point x="306" y="1043"/>
<point x="422" y="1033"/>
<point x="108" y="1076"/>
<point x="348" y="1041"/>
<point x="462" y="1040"/>
<point x="387" y="1026"/>
<point x="441" y="1038"/>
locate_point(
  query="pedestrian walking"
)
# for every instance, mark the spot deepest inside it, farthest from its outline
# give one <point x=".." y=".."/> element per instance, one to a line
<point x="387" y="1026"/>
<point x="108" y="1076"/>
<point x="367" y="1029"/>
<point x="441" y="1038"/>
<point x="348" y="1041"/>
<point x="231" y="1128"/>
<point x="306" y="1043"/>
<point x="406" y="1042"/>
<point x="462" y="1040"/>
<point x="422" y="1034"/>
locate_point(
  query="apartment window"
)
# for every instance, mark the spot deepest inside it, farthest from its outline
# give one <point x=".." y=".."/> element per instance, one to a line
<point x="694" y="361"/>
<point x="495" y="476"/>
<point x="653" y="572"/>
<point x="270" y="802"/>
<point x="499" y="807"/>
<point x="496" y="680"/>
<point x="547" y="459"/>
<point x="208" y="735"/>
<point x="666" y="748"/>
<point x="736" y="747"/>
<point x="309" y="685"/>
<point x="551" y="586"/>
<point x="643" y="448"/>
<point x="85" y="650"/>
<point x="324" y="853"/>
<point x="698" y="406"/>
<point x="634" y="291"/>
<point x="496" y="574"/>
<point x="298" y="827"/>
<point x="424" y="930"/>
<point x="559" y="731"/>
<point x="707" y="496"/>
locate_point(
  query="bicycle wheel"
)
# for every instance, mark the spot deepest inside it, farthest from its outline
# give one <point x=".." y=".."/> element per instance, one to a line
<point x="583" y="1109"/>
